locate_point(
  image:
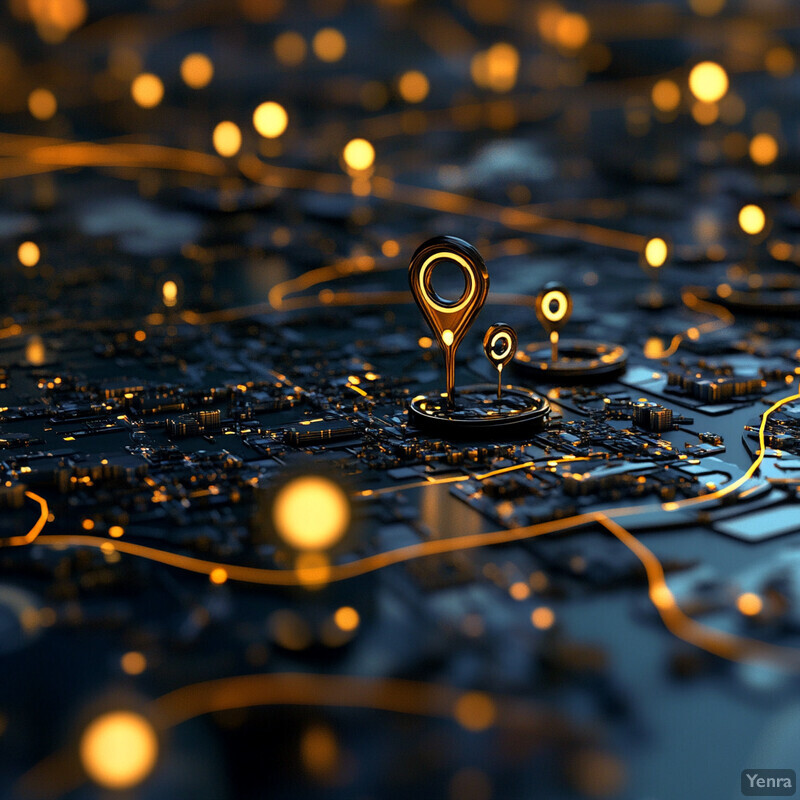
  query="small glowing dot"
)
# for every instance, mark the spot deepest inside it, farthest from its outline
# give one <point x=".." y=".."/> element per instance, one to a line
<point x="707" y="8"/>
<point x="197" y="70"/>
<point x="346" y="618"/>
<point x="115" y="531"/>
<point x="261" y="11"/>
<point x="311" y="513"/>
<point x="270" y="119"/>
<point x="708" y="82"/>
<point x="227" y="138"/>
<point x="475" y="711"/>
<point x="763" y="149"/>
<point x="218" y="575"/>
<point x="133" y="663"/>
<point x="119" y="749"/>
<point x="358" y="154"/>
<point x="329" y="45"/>
<point x="28" y="254"/>
<point x="749" y="604"/>
<point x="169" y="293"/>
<point x="140" y="336"/>
<point x="752" y="219"/>
<point x="35" y="351"/>
<point x="781" y="251"/>
<point x="519" y="590"/>
<point x="413" y="86"/>
<point x="42" y="103"/>
<point x="655" y="252"/>
<point x="290" y="48"/>
<point x="496" y="68"/>
<point x="705" y="113"/>
<point x="319" y="751"/>
<point x="87" y="524"/>
<point x="425" y="342"/>
<point x="780" y="61"/>
<point x="572" y="31"/>
<point x="373" y="95"/>
<point x="390" y="248"/>
<point x="542" y="618"/>
<point x="666" y="95"/>
<point x="447" y="337"/>
<point x="147" y="90"/>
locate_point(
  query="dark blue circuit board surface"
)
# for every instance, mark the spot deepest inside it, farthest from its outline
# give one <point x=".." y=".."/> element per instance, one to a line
<point x="192" y="317"/>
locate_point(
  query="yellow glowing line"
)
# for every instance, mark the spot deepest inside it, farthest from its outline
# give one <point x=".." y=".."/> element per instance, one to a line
<point x="724" y="320"/>
<point x="732" y="487"/>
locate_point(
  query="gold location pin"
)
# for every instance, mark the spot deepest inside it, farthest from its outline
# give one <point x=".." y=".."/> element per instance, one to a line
<point x="553" y="307"/>
<point x="449" y="319"/>
<point x="500" y="344"/>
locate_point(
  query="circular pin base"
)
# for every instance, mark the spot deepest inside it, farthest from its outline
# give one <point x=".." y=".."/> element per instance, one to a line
<point x="579" y="361"/>
<point x="777" y="295"/>
<point x="478" y="412"/>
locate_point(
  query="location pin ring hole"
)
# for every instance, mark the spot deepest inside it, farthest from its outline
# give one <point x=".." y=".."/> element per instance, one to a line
<point x="500" y="345"/>
<point x="432" y="296"/>
<point x="553" y="308"/>
<point x="554" y="305"/>
<point x="448" y="319"/>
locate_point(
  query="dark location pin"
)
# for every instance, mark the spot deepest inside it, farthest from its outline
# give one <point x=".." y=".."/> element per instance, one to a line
<point x="448" y="319"/>
<point x="553" y="308"/>
<point x="500" y="344"/>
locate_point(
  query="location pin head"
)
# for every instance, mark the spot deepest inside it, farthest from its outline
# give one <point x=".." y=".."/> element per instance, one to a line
<point x="553" y="309"/>
<point x="500" y="344"/>
<point x="448" y="319"/>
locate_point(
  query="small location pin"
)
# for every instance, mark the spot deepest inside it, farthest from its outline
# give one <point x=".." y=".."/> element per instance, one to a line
<point x="448" y="319"/>
<point x="500" y="344"/>
<point x="553" y="307"/>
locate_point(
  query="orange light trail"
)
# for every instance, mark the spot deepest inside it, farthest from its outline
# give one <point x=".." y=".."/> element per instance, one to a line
<point x="336" y="572"/>
<point x="59" y="773"/>
<point x="724" y="319"/>
<point x="440" y="200"/>
<point x="720" y="643"/>
<point x="33" y="533"/>
<point x="381" y="694"/>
